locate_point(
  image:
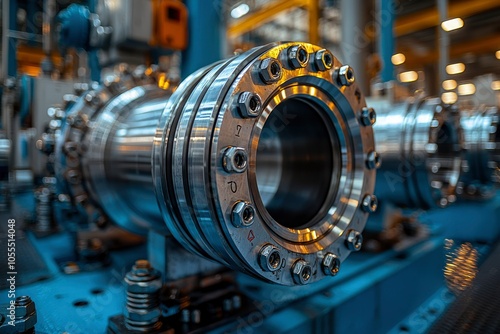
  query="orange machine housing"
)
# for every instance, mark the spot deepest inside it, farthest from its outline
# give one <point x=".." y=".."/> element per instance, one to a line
<point x="170" y="27"/>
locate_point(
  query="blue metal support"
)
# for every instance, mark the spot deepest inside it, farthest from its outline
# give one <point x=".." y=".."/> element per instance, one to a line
<point x="205" y="26"/>
<point x="12" y="59"/>
<point x="386" y="14"/>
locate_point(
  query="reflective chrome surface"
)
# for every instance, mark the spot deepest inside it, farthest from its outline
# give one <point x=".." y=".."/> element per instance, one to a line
<point x="305" y="154"/>
<point x="420" y="142"/>
<point x="482" y="153"/>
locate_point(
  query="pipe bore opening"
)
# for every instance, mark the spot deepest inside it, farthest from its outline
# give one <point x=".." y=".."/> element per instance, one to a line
<point x="297" y="156"/>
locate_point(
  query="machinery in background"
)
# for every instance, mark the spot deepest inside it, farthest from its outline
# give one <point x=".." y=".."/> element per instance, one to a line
<point x="235" y="159"/>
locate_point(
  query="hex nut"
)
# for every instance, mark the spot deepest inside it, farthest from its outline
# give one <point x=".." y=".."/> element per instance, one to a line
<point x="323" y="60"/>
<point x="249" y="104"/>
<point x="298" y="57"/>
<point x="235" y="159"/>
<point x="373" y="160"/>
<point x="270" y="70"/>
<point x="369" y="203"/>
<point x="345" y="75"/>
<point x="354" y="240"/>
<point x="269" y="258"/>
<point x="368" y="116"/>
<point x="243" y="214"/>
<point x="330" y="264"/>
<point x="24" y="308"/>
<point x="301" y="272"/>
<point x="142" y="315"/>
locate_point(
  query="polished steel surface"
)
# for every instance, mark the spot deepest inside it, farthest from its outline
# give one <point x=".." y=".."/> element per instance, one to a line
<point x="303" y="164"/>
<point x="481" y="175"/>
<point x="420" y="142"/>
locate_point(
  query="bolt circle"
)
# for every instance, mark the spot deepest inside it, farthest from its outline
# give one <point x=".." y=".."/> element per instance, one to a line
<point x="243" y="214"/>
<point x="249" y="104"/>
<point x="369" y="203"/>
<point x="298" y="57"/>
<point x="373" y="160"/>
<point x="354" y="240"/>
<point x="269" y="258"/>
<point x="235" y="160"/>
<point x="301" y="272"/>
<point x="368" y="116"/>
<point x="323" y="60"/>
<point x="330" y="264"/>
<point x="345" y="76"/>
<point x="270" y="70"/>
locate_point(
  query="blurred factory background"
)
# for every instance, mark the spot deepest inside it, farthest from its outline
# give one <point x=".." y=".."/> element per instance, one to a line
<point x="255" y="166"/>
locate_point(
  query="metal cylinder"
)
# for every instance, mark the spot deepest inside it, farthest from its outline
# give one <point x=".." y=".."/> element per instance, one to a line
<point x="104" y="153"/>
<point x="420" y="142"/>
<point x="259" y="162"/>
<point x="285" y="140"/>
<point x="480" y="175"/>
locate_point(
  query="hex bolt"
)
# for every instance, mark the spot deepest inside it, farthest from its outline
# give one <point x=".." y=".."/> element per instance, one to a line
<point x="270" y="70"/>
<point x="243" y="214"/>
<point x="298" y="57"/>
<point x="249" y="104"/>
<point x="330" y="264"/>
<point x="354" y="240"/>
<point x="234" y="159"/>
<point x="368" y="116"/>
<point x="142" y="311"/>
<point x="301" y="272"/>
<point x="345" y="75"/>
<point x="323" y="60"/>
<point x="373" y="160"/>
<point x="369" y="203"/>
<point x="269" y="258"/>
<point x="22" y="300"/>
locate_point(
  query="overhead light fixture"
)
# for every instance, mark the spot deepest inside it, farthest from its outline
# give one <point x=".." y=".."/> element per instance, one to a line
<point x="449" y="84"/>
<point x="497" y="54"/>
<point x="495" y="85"/>
<point x="409" y="76"/>
<point x="240" y="10"/>
<point x="449" y="97"/>
<point x="452" y="24"/>
<point x="466" y="89"/>
<point x="398" y="59"/>
<point x="455" y="68"/>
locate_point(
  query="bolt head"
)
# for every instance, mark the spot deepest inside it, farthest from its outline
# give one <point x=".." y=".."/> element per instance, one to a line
<point x="331" y="264"/>
<point x="269" y="258"/>
<point x="373" y="160"/>
<point x="24" y="306"/>
<point x="270" y="70"/>
<point x="345" y="76"/>
<point x="368" y="116"/>
<point x="354" y="240"/>
<point x="323" y="60"/>
<point x="301" y="272"/>
<point x="369" y="203"/>
<point x="298" y="57"/>
<point x="235" y="160"/>
<point x="249" y="104"/>
<point x="142" y="315"/>
<point x="243" y="214"/>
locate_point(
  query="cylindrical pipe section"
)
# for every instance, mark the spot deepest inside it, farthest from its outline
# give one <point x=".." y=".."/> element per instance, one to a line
<point x="480" y="176"/>
<point x="262" y="162"/>
<point x="420" y="142"/>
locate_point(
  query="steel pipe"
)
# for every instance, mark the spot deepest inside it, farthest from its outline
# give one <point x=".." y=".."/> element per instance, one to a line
<point x="421" y="144"/>
<point x="263" y="162"/>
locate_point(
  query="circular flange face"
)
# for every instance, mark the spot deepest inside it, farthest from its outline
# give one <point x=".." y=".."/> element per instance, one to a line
<point x="304" y="174"/>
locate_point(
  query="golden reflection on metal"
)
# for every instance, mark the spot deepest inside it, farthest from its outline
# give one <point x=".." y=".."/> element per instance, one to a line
<point x="461" y="265"/>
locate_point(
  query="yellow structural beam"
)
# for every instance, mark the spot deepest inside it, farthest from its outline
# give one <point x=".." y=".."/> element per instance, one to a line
<point x="477" y="46"/>
<point x="429" y="18"/>
<point x="268" y="12"/>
